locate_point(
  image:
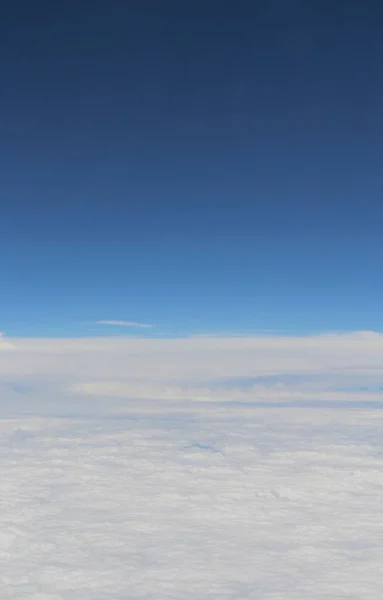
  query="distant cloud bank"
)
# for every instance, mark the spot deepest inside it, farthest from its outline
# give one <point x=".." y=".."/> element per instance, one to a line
<point x="328" y="367"/>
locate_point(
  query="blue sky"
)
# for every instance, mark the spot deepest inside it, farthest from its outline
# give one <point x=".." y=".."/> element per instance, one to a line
<point x="214" y="167"/>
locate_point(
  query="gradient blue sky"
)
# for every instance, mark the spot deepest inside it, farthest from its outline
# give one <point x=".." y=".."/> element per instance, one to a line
<point x="203" y="166"/>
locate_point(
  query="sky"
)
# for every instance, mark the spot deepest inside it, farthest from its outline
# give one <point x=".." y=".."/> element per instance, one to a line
<point x="204" y="167"/>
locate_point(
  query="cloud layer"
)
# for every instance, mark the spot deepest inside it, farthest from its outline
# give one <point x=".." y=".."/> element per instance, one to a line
<point x="191" y="468"/>
<point x="259" y="368"/>
<point x="280" y="504"/>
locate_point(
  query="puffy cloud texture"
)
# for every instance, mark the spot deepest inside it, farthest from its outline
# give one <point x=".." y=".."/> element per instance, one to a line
<point x="197" y="468"/>
<point x="234" y="504"/>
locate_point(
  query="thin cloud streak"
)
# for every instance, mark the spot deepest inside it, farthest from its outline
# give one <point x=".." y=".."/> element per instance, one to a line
<point x="126" y="324"/>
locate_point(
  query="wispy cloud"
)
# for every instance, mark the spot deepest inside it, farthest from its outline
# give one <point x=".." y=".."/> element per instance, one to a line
<point x="126" y="324"/>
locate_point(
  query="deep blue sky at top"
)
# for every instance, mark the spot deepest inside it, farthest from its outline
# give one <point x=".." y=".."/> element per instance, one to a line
<point x="206" y="165"/>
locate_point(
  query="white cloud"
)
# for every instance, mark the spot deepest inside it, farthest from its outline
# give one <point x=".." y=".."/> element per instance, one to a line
<point x="126" y="471"/>
<point x="273" y="393"/>
<point x="257" y="368"/>
<point x="126" y="324"/>
<point x="280" y="504"/>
